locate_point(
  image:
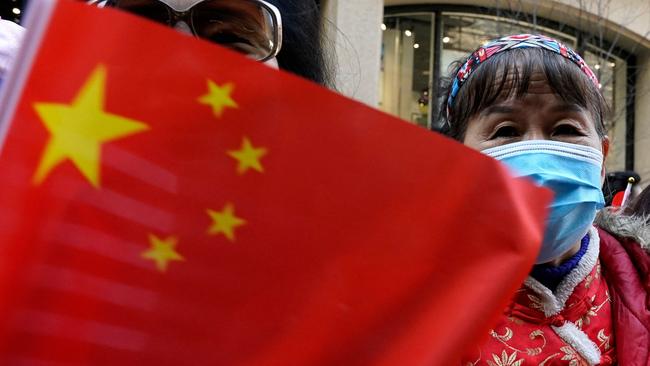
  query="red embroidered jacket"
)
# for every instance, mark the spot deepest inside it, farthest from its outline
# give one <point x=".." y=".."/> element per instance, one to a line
<point x="599" y="314"/>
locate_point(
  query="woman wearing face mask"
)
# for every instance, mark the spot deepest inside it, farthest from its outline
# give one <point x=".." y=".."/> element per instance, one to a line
<point x="280" y="33"/>
<point x="535" y="105"/>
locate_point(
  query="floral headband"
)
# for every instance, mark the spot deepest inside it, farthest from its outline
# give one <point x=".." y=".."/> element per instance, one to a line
<point x="511" y="42"/>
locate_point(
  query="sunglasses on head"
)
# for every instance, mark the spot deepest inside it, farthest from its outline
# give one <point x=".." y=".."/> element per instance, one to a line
<point x="251" y="27"/>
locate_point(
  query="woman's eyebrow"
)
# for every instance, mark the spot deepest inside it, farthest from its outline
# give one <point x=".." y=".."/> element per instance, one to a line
<point x="497" y="109"/>
<point x="567" y="108"/>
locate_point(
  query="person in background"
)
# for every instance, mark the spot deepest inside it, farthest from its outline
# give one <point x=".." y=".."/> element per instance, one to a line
<point x="11" y="35"/>
<point x="616" y="182"/>
<point x="281" y="33"/>
<point x="535" y="105"/>
<point x="640" y="206"/>
<point x="631" y="225"/>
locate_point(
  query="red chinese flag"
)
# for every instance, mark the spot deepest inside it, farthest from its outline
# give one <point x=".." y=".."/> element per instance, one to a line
<point x="168" y="202"/>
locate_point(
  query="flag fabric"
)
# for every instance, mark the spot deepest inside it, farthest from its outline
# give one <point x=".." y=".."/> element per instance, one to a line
<point x="164" y="201"/>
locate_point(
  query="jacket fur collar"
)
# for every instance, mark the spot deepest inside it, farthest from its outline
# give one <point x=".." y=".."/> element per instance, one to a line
<point x="623" y="226"/>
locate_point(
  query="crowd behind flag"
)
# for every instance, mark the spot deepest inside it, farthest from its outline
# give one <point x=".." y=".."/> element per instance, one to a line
<point x="164" y="201"/>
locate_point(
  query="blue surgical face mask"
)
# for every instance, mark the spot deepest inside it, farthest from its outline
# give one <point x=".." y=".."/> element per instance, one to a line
<point x="573" y="173"/>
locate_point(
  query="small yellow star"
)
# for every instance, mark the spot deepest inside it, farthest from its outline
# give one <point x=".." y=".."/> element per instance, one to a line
<point x="218" y="97"/>
<point x="225" y="222"/>
<point x="248" y="157"/>
<point x="162" y="251"/>
<point x="78" y="130"/>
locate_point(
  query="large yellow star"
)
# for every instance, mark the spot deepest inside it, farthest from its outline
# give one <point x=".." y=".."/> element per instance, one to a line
<point x="225" y="222"/>
<point x="248" y="157"/>
<point x="162" y="252"/>
<point x="78" y="130"/>
<point x="218" y="97"/>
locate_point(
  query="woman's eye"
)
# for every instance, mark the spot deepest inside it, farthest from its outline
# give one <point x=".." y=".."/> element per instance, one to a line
<point x="566" y="129"/>
<point x="229" y="39"/>
<point x="505" y="131"/>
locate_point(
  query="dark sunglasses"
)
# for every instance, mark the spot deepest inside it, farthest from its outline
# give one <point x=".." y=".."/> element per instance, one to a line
<point x="251" y="27"/>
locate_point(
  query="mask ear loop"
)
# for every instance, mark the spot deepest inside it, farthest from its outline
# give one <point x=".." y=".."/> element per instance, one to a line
<point x="607" y="189"/>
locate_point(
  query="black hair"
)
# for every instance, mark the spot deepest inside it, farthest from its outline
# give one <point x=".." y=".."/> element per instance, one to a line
<point x="616" y="182"/>
<point x="303" y="50"/>
<point x="508" y="74"/>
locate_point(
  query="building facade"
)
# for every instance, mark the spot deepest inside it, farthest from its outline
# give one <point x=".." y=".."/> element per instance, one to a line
<point x="395" y="54"/>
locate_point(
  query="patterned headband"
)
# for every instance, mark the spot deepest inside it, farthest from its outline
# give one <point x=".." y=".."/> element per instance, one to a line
<point x="511" y="42"/>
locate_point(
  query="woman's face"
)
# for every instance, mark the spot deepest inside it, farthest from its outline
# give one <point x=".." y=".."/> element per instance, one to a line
<point x="181" y="4"/>
<point x="538" y="115"/>
<point x="240" y="25"/>
<point x="183" y="27"/>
